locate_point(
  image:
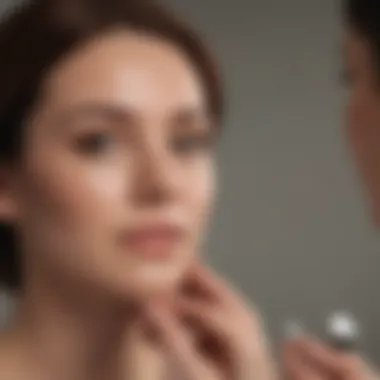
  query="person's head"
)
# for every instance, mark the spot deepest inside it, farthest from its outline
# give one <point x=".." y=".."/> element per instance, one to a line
<point x="362" y="66"/>
<point x="108" y="114"/>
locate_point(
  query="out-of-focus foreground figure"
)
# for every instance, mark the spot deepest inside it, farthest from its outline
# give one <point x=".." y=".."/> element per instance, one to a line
<point x="305" y="358"/>
<point x="361" y="57"/>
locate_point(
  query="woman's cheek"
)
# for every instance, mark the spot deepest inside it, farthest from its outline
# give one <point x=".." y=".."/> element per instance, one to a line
<point x="201" y="190"/>
<point x="109" y="187"/>
<point x="75" y="194"/>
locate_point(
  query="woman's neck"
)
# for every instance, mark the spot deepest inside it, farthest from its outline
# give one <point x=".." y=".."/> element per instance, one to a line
<point x="86" y="340"/>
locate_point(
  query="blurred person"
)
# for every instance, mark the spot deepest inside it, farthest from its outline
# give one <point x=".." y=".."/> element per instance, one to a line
<point x="109" y="116"/>
<point x="306" y="358"/>
<point x="361" y="75"/>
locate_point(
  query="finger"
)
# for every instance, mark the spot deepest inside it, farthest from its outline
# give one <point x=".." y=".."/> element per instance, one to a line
<point x="224" y="331"/>
<point x="205" y="315"/>
<point x="329" y="360"/>
<point x="227" y="299"/>
<point x="211" y="328"/>
<point x="295" y="367"/>
<point x="179" y="344"/>
<point x="212" y="336"/>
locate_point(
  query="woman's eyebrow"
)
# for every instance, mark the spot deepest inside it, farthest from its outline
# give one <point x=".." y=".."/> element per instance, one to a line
<point x="106" y="111"/>
<point x="116" y="113"/>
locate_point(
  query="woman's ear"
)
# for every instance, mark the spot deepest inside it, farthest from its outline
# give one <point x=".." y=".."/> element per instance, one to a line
<point x="8" y="202"/>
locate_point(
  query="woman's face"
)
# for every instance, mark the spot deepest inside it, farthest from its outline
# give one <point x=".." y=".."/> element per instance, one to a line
<point x="363" y="113"/>
<point x="118" y="176"/>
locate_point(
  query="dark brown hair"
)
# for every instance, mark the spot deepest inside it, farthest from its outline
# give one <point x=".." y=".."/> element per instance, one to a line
<point x="364" y="17"/>
<point x="35" y="36"/>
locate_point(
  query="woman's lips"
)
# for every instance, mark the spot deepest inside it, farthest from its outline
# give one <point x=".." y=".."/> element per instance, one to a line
<point x="154" y="241"/>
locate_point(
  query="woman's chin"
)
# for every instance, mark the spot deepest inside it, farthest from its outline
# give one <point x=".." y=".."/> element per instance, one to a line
<point x="151" y="281"/>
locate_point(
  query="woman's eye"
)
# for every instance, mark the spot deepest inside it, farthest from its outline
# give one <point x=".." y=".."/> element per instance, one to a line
<point x="193" y="143"/>
<point x="95" y="143"/>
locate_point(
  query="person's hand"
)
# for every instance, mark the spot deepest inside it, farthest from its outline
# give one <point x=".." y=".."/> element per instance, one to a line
<point x="210" y="334"/>
<point x="309" y="359"/>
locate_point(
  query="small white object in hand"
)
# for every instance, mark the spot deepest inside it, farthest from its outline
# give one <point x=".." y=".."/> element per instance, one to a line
<point x="343" y="326"/>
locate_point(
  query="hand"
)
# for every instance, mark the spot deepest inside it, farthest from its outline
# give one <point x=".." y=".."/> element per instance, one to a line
<point x="309" y="359"/>
<point x="211" y="334"/>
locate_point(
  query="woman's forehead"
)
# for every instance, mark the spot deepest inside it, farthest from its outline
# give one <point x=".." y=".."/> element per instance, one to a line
<point x="124" y="67"/>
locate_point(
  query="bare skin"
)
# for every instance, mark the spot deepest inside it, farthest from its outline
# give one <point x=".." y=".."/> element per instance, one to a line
<point x="307" y="358"/>
<point x="362" y="116"/>
<point x="112" y="200"/>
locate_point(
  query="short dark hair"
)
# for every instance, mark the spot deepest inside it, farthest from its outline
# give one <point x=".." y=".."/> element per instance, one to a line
<point x="35" y="36"/>
<point x="364" y="17"/>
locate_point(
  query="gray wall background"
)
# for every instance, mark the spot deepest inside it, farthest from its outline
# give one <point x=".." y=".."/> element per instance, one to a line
<point x="291" y="228"/>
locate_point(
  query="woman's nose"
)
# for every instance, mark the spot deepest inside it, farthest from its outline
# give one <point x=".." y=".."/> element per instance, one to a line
<point x="157" y="178"/>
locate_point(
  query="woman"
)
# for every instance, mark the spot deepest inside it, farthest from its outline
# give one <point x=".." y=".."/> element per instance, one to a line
<point x="109" y="113"/>
<point x="305" y="358"/>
